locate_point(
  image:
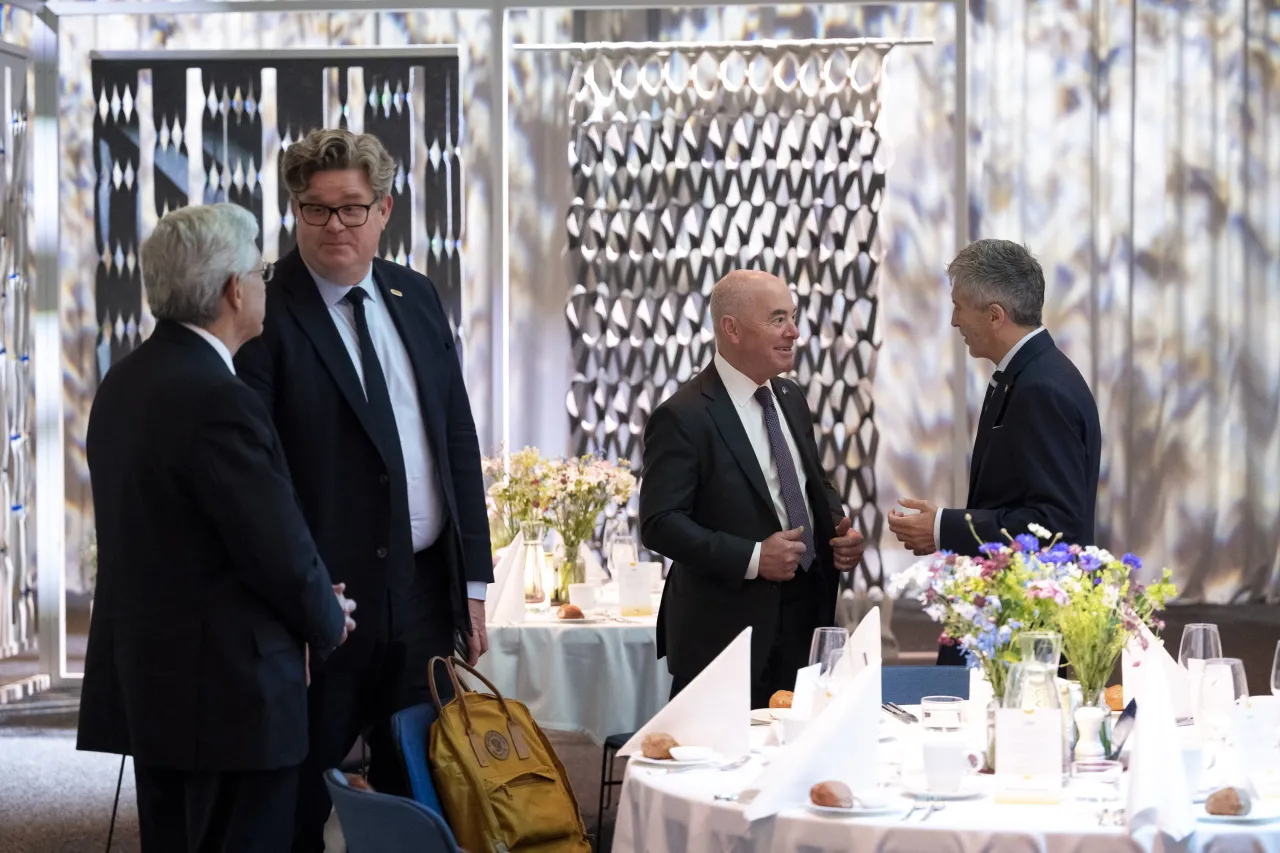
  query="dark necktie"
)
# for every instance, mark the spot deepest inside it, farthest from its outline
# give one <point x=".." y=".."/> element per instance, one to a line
<point x="792" y="498"/>
<point x="375" y="382"/>
<point x="991" y="389"/>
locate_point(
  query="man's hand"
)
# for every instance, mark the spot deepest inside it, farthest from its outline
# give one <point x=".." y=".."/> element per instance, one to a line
<point x="348" y="607"/>
<point x="478" y="642"/>
<point x="915" y="531"/>
<point x="780" y="555"/>
<point x="847" y="546"/>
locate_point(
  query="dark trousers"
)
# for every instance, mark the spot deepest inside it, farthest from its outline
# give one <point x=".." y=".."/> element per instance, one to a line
<point x="798" y="616"/>
<point x="207" y="812"/>
<point x="355" y="700"/>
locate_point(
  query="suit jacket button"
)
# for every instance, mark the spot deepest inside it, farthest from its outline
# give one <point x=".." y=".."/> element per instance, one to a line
<point x="383" y="479"/>
<point x="382" y="553"/>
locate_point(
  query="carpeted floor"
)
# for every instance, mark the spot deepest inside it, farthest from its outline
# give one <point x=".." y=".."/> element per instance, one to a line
<point x="56" y="800"/>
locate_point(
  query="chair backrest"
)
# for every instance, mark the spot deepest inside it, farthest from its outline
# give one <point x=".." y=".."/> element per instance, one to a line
<point x="411" y="730"/>
<point x="906" y="685"/>
<point x="380" y="823"/>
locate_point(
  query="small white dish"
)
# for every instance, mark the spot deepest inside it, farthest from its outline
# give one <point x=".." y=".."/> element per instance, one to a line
<point x="585" y="620"/>
<point x="968" y="791"/>
<point x="882" y="808"/>
<point x="671" y="762"/>
<point x="1263" y="811"/>
<point x="691" y="753"/>
<point x="766" y="715"/>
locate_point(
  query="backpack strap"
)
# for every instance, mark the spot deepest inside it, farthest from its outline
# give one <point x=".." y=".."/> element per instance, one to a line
<point x="514" y="730"/>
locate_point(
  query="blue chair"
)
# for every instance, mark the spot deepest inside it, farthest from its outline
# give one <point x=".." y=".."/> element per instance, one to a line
<point x="907" y="685"/>
<point x="411" y="731"/>
<point x="381" y="823"/>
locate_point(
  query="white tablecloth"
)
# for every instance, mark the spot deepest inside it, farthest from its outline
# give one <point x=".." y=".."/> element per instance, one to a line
<point x="597" y="679"/>
<point x="678" y="813"/>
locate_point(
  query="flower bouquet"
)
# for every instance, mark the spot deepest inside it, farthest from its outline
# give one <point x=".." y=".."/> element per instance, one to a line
<point x="575" y="492"/>
<point x="515" y="493"/>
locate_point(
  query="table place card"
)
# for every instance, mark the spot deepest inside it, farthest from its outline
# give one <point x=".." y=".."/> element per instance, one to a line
<point x="633" y="589"/>
<point x="1029" y="748"/>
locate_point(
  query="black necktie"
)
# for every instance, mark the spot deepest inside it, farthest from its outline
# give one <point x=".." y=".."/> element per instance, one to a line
<point x="375" y="382"/>
<point x="991" y="389"/>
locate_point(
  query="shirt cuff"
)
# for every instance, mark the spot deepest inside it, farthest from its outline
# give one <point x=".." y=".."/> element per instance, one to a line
<point x="937" y="529"/>
<point x="476" y="590"/>
<point x="753" y="567"/>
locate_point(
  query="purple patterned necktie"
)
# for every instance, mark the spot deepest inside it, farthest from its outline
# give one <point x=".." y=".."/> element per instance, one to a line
<point x="792" y="497"/>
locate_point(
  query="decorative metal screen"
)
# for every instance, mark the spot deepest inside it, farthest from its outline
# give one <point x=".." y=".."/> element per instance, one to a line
<point x="17" y="572"/>
<point x="239" y="112"/>
<point x="688" y="163"/>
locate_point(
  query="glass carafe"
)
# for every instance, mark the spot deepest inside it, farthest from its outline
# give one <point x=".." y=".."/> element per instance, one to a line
<point x="534" y="566"/>
<point x="1033" y="681"/>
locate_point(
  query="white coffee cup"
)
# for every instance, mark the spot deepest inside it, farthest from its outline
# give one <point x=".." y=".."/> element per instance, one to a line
<point x="946" y="764"/>
<point x="793" y="724"/>
<point x="583" y="596"/>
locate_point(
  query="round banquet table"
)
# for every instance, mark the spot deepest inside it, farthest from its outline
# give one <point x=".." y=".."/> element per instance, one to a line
<point x="597" y="678"/>
<point x="678" y="812"/>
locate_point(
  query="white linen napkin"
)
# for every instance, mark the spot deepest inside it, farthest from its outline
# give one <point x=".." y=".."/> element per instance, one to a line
<point x="504" y="601"/>
<point x="1159" y="806"/>
<point x="714" y="710"/>
<point x="862" y="650"/>
<point x="595" y="572"/>
<point x="1176" y="678"/>
<point x="807" y="687"/>
<point x="841" y="744"/>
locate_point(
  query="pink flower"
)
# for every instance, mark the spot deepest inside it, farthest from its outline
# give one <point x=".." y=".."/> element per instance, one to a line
<point x="945" y="640"/>
<point x="1074" y="549"/>
<point x="1048" y="589"/>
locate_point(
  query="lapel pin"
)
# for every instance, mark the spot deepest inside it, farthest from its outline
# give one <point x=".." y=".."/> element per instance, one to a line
<point x="395" y="292"/>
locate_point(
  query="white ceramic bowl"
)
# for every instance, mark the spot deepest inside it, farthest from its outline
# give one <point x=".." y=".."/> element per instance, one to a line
<point x="691" y="753"/>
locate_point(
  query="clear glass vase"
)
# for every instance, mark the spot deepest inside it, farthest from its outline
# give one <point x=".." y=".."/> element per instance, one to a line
<point x="1033" y="682"/>
<point x="534" y="566"/>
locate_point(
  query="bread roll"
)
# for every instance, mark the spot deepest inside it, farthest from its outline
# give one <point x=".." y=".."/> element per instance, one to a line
<point x="1228" y="801"/>
<point x="835" y="795"/>
<point x="1114" y="696"/>
<point x="781" y="699"/>
<point x="657" y="745"/>
<point x="569" y="611"/>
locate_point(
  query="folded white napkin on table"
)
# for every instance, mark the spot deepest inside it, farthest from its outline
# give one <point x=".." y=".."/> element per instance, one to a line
<point x="841" y="744"/>
<point x="595" y="572"/>
<point x="1176" y="678"/>
<point x="714" y="710"/>
<point x="862" y="650"/>
<point x="1159" y="810"/>
<point x="504" y="600"/>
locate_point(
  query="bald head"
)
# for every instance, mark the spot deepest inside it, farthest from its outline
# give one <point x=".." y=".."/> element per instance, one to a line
<point x="753" y="315"/>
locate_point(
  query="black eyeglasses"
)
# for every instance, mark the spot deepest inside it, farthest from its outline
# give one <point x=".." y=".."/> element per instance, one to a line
<point x="350" y="215"/>
<point x="267" y="271"/>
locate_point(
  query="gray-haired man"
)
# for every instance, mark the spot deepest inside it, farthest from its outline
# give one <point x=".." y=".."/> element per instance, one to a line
<point x="209" y="585"/>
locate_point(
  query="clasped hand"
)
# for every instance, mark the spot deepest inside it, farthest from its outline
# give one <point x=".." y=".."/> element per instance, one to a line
<point x="780" y="554"/>
<point x="348" y="624"/>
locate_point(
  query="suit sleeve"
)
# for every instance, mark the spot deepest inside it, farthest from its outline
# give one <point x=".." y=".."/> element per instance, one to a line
<point x="1046" y="442"/>
<point x="668" y="489"/>
<point x="232" y="474"/>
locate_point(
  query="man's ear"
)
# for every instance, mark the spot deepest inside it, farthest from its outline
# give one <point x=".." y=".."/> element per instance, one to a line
<point x="729" y="326"/>
<point x="233" y="292"/>
<point x="996" y="315"/>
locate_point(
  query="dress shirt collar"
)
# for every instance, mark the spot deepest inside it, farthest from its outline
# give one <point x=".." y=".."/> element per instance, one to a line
<point x="1008" y="357"/>
<point x="214" y="341"/>
<point x="741" y="387"/>
<point x="332" y="293"/>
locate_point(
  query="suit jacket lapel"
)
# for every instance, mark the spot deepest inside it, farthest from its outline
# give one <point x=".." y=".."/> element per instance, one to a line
<point x="316" y="322"/>
<point x="727" y="421"/>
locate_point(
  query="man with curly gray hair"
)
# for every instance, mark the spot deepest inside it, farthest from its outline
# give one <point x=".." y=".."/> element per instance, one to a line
<point x="359" y="370"/>
<point x="210" y="589"/>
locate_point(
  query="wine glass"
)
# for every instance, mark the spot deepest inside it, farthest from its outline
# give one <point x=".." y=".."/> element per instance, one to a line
<point x="1222" y="686"/>
<point x="622" y="552"/>
<point x="824" y="640"/>
<point x="1200" y="642"/>
<point x="1275" y="673"/>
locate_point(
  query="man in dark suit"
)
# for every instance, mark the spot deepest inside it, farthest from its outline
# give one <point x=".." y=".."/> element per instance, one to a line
<point x="1036" y="455"/>
<point x="209" y="585"/>
<point x="358" y="368"/>
<point x="733" y="493"/>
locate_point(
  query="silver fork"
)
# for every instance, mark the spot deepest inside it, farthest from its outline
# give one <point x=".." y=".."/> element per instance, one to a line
<point x="933" y="807"/>
<point x="914" y="808"/>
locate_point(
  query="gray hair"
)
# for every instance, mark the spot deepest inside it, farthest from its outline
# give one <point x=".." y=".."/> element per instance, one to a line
<point x="332" y="149"/>
<point x="191" y="254"/>
<point x="991" y="272"/>
<point x="731" y="294"/>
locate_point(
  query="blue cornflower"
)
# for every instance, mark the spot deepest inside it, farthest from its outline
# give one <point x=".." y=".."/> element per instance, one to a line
<point x="1057" y="555"/>
<point x="1132" y="561"/>
<point x="1089" y="563"/>
<point x="1029" y="543"/>
<point x="991" y="548"/>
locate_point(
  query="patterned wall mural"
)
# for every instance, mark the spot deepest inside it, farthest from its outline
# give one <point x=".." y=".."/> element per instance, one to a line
<point x="202" y="129"/>
<point x="688" y="164"/>
<point x="18" y="622"/>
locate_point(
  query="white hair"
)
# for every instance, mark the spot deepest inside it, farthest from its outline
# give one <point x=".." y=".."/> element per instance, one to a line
<point x="191" y="254"/>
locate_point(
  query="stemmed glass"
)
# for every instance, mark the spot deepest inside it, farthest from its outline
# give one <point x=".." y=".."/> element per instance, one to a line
<point x="824" y="640"/>
<point x="1200" y="642"/>
<point x="1222" y="686"/>
<point x="622" y="552"/>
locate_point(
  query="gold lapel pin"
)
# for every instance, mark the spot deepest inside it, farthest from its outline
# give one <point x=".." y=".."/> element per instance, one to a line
<point x="395" y="292"/>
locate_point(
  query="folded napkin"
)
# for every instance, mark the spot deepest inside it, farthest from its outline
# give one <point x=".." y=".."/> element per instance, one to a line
<point x="595" y="572"/>
<point x="714" y="710"/>
<point x="1134" y="656"/>
<point x="840" y="744"/>
<point x="504" y="600"/>
<point x="862" y="650"/>
<point x="1159" y="807"/>
<point x="807" y="687"/>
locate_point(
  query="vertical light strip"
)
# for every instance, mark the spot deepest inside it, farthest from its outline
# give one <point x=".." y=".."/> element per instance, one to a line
<point x="50" y="491"/>
<point x="356" y="95"/>
<point x="419" y="240"/>
<point x="143" y="103"/>
<point x="193" y="134"/>
<point x="499" y="241"/>
<point x="272" y="215"/>
<point x="960" y="438"/>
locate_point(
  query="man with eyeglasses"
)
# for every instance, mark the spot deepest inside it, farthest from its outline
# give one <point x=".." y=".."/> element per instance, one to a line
<point x="734" y="494"/>
<point x="209" y="585"/>
<point x="358" y="367"/>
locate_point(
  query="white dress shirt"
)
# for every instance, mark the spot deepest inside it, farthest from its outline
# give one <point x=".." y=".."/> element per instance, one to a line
<point x="426" y="503"/>
<point x="742" y="390"/>
<point x="216" y="342"/>
<point x="1000" y="368"/>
